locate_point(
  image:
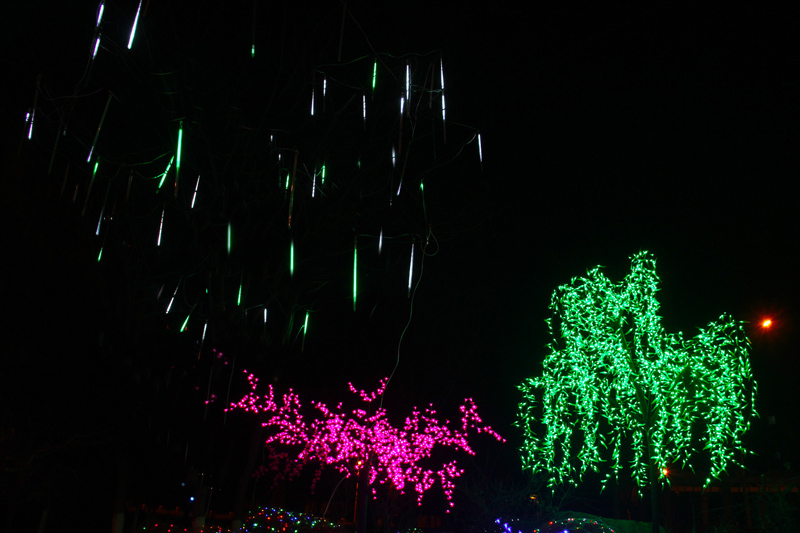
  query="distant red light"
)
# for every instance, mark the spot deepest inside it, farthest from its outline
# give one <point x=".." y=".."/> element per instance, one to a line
<point x="766" y="323"/>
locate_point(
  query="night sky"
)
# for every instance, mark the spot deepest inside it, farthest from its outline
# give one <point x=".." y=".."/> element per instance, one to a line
<point x="605" y="131"/>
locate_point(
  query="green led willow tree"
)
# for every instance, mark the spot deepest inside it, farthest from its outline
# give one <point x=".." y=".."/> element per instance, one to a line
<point x="618" y="390"/>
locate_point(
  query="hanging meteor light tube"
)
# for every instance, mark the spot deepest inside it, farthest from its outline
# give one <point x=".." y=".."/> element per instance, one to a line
<point x="89" y="190"/>
<point x="444" y="123"/>
<point x="229" y="239"/>
<point x="410" y="269"/>
<point x="173" y="298"/>
<point x="164" y="175"/>
<point x="355" y="270"/>
<point x="96" y="46"/>
<point x="408" y="82"/>
<point x="178" y="161"/>
<point x="133" y="28"/>
<point x="291" y="258"/>
<point x="241" y="282"/>
<point x="202" y="338"/>
<point x="480" y="149"/>
<point x="97" y="134"/>
<point x="380" y="242"/>
<point x="364" y="108"/>
<point x="196" y="185"/>
<point x="100" y="10"/>
<point x="29" y="120"/>
<point x="102" y="210"/>
<point x="161" y="227"/>
<point x="374" y="75"/>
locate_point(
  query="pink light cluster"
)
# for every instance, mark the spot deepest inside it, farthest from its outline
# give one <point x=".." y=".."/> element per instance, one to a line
<point x="348" y="441"/>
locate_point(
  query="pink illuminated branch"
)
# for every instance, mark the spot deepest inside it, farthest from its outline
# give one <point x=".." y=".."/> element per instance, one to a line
<point x="358" y="439"/>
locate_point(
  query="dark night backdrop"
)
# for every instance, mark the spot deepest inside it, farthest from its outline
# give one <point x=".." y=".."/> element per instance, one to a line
<point x="605" y="130"/>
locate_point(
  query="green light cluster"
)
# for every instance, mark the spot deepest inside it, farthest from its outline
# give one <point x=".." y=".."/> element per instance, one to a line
<point x="617" y="389"/>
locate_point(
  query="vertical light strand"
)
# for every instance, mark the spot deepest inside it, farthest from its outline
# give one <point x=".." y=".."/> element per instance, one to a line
<point x="169" y="306"/>
<point x="305" y="331"/>
<point x="202" y="338"/>
<point x="178" y="157"/>
<point x="364" y="108"/>
<point x="480" y="150"/>
<point x="89" y="190"/>
<point x="161" y="227"/>
<point x="400" y="129"/>
<point x="324" y="92"/>
<point x="229" y="239"/>
<point x="408" y="82"/>
<point x="96" y="46"/>
<point x="380" y="242"/>
<point x="355" y="270"/>
<point x="374" y="75"/>
<point x="410" y="269"/>
<point x="291" y="258"/>
<point x="241" y="282"/>
<point x="103" y="210"/>
<point x="322" y="179"/>
<point x="100" y="10"/>
<point x="314" y="183"/>
<point x="97" y="133"/>
<point x="196" y="186"/>
<point x="444" y="123"/>
<point x="164" y="175"/>
<point x="186" y="322"/>
<point x="29" y="120"/>
<point x="135" y="22"/>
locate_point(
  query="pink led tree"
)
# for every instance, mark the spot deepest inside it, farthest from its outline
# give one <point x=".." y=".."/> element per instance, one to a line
<point x="364" y="438"/>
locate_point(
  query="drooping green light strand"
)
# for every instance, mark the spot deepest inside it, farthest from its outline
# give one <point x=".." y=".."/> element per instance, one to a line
<point x="230" y="238"/>
<point x="374" y="74"/>
<point x="185" y="323"/>
<point x="615" y="385"/>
